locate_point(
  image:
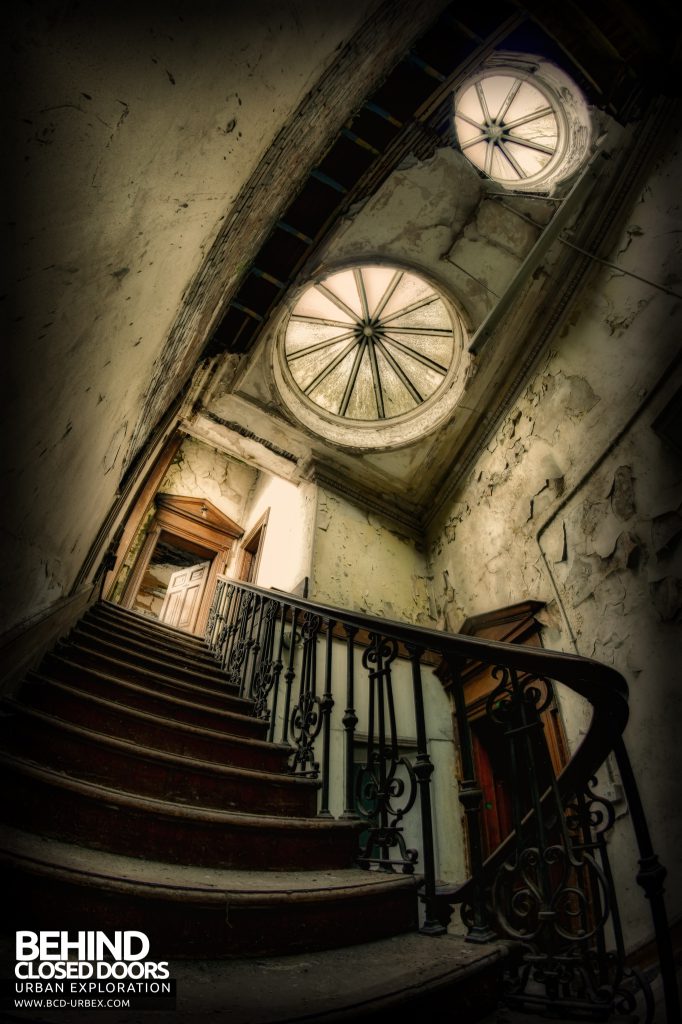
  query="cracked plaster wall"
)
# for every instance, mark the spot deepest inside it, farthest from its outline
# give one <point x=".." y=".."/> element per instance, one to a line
<point x="198" y="471"/>
<point x="133" y="131"/>
<point x="363" y="563"/>
<point x="433" y="215"/>
<point x="576" y="501"/>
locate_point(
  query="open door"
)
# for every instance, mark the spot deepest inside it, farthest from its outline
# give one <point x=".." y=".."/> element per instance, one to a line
<point x="183" y="598"/>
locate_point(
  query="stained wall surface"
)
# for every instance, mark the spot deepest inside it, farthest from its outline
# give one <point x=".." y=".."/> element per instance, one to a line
<point x="576" y="502"/>
<point x="134" y="130"/>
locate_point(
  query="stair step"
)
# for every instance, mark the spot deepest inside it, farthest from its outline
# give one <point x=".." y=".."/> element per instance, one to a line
<point x="108" y="617"/>
<point x="201" y="661"/>
<point x="170" y="702"/>
<point x="144" y="771"/>
<point x="105" y="818"/>
<point x="163" y="733"/>
<point x="189" y="911"/>
<point x="114" y="613"/>
<point x="73" y="664"/>
<point x="148" y="664"/>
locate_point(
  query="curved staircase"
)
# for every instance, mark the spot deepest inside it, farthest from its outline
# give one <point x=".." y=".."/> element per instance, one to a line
<point x="141" y="793"/>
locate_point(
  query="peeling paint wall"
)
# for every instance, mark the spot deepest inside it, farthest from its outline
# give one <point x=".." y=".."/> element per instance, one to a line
<point x="576" y="501"/>
<point x="363" y="563"/>
<point x="133" y="132"/>
<point x="202" y="472"/>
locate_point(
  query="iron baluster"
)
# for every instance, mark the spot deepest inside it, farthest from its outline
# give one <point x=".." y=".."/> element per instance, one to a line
<point x="266" y="668"/>
<point x="326" y="710"/>
<point x="230" y="595"/>
<point x="277" y="671"/>
<point x="650" y="877"/>
<point x="423" y="771"/>
<point x="232" y="626"/>
<point x="252" y="604"/>
<point x="290" y="674"/>
<point x="350" y="720"/>
<point x="256" y="643"/>
<point x="306" y="716"/>
<point x="379" y="787"/>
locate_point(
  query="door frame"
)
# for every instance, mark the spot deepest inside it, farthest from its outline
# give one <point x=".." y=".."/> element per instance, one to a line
<point x="183" y="518"/>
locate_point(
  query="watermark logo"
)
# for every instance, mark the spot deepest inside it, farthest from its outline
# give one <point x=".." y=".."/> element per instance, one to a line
<point x="88" y="970"/>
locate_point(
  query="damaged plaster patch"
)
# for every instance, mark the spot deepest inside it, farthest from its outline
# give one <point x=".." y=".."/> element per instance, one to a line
<point x="666" y="531"/>
<point x="622" y="493"/>
<point x="666" y="597"/>
<point x="573" y="393"/>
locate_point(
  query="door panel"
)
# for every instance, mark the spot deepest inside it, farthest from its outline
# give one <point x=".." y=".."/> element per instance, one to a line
<point x="183" y="597"/>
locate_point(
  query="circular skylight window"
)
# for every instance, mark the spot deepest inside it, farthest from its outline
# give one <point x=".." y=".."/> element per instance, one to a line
<point x="366" y="350"/>
<point x="523" y="127"/>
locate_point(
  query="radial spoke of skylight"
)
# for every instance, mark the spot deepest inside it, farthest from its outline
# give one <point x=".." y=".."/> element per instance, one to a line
<point x="414" y="354"/>
<point x="527" y="118"/>
<point x="330" y="366"/>
<point x="482" y="100"/>
<point x="318" y="346"/>
<point x="511" y="161"/>
<point x="395" y="281"/>
<point x="350" y="384"/>
<point x="376" y="378"/>
<point x="394" y="355"/>
<point x="397" y="368"/>
<point x="338" y="302"/>
<point x="362" y="294"/>
<point x="319" y="320"/>
<point x="519" y="140"/>
<point x="511" y="95"/>
<point x="427" y="331"/>
<point x="470" y="121"/>
<point x="409" y="309"/>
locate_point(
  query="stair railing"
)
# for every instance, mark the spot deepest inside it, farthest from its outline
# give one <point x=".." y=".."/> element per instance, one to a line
<point x="549" y="887"/>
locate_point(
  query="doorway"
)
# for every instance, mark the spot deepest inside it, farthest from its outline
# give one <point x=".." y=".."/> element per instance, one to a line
<point x="174" y="581"/>
<point x="186" y="547"/>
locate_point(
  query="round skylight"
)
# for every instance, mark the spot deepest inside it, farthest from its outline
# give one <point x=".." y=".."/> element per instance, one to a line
<point x="366" y="349"/>
<point x="524" y="126"/>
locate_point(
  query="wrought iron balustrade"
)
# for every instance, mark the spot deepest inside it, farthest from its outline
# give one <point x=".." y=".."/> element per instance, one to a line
<point x="311" y="669"/>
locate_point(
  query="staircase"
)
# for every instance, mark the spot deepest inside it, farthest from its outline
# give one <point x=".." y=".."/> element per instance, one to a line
<point x="141" y="793"/>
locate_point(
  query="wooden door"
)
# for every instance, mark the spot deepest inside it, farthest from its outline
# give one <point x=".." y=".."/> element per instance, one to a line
<point x="183" y="598"/>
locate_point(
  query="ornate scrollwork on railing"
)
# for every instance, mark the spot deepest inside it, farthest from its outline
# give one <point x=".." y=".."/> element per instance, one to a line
<point x="547" y="886"/>
<point x="238" y="641"/>
<point x="554" y="892"/>
<point x="386" y="785"/>
<point x="268" y="666"/>
<point x="379" y="789"/>
<point x="307" y="714"/>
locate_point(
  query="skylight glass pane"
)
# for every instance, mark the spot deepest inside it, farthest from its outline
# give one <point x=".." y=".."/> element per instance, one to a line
<point x="393" y="350"/>
<point x="507" y="127"/>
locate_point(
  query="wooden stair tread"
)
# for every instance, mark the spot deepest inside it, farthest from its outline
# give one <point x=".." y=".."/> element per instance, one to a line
<point x="111" y="795"/>
<point x="172" y="724"/>
<point x="178" y="684"/>
<point x="153" y="753"/>
<point x="128" y="639"/>
<point x="184" y="878"/>
<point x="113" y="654"/>
<point x="116" y="611"/>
